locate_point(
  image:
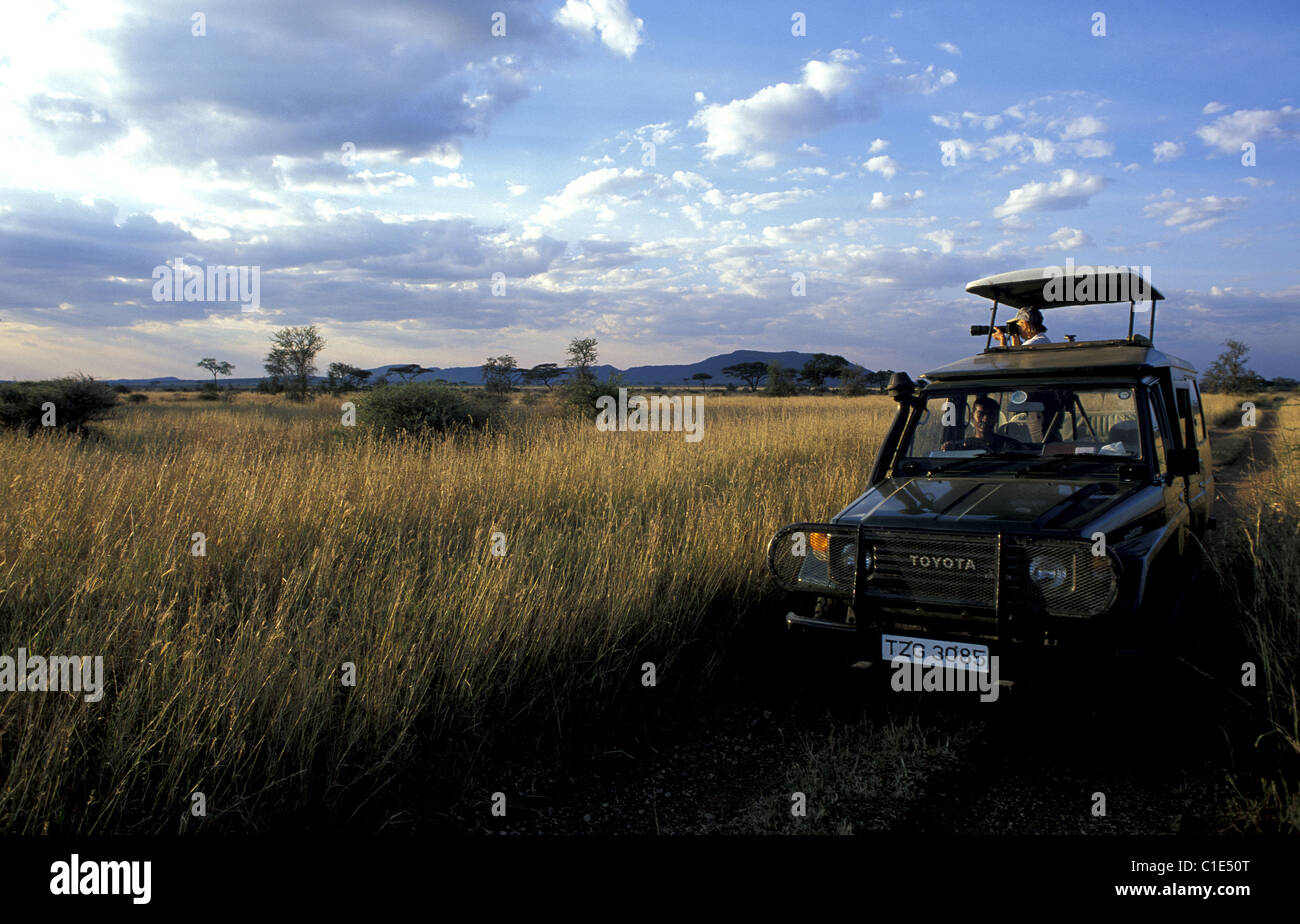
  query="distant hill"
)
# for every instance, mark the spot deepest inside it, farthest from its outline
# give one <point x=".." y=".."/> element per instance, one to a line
<point x="640" y="376"/>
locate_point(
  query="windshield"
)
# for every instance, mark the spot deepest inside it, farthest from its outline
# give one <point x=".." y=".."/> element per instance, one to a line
<point x="1085" y="424"/>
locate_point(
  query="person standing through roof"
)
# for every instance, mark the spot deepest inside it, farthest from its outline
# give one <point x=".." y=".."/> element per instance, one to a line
<point x="1028" y="331"/>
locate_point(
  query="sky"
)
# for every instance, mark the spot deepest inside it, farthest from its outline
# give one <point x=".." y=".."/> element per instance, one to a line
<point x="444" y="182"/>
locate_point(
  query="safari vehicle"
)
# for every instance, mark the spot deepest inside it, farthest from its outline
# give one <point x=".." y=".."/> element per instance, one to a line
<point x="1072" y="528"/>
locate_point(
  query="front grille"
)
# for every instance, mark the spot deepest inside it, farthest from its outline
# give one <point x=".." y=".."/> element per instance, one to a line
<point x="961" y="574"/>
<point x="937" y="568"/>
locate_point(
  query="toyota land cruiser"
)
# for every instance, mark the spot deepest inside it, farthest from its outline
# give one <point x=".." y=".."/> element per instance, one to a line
<point x="1025" y="498"/>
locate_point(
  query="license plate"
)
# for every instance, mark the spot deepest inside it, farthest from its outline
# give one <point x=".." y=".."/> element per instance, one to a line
<point x="925" y="651"/>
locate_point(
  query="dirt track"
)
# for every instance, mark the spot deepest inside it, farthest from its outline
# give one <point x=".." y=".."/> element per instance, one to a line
<point x="1151" y="742"/>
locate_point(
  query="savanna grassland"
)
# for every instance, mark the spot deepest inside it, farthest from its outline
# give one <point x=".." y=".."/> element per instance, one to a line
<point x="224" y="671"/>
<point x="325" y="547"/>
<point x="1258" y="566"/>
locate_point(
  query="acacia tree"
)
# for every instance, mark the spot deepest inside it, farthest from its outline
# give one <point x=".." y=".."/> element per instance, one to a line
<point x="749" y="373"/>
<point x="216" y="368"/>
<point x="499" y="374"/>
<point x="1229" y="374"/>
<point x="582" y="356"/>
<point x="544" y="372"/>
<point x="780" y="380"/>
<point x="344" y="377"/>
<point x="409" y="371"/>
<point x="291" y="362"/>
<point x="821" y="367"/>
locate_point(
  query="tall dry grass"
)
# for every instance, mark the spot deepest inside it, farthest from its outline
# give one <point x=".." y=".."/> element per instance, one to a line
<point x="223" y="671"/>
<point x="1261" y="572"/>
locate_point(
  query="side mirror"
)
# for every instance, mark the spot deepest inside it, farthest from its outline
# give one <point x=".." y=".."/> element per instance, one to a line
<point x="1184" y="462"/>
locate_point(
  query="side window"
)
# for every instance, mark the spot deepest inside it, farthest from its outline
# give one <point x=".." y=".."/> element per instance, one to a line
<point x="1198" y="412"/>
<point x="1153" y="407"/>
<point x="1186" y="414"/>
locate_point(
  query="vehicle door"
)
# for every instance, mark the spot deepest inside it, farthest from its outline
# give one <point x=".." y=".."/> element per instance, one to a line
<point x="1203" y="448"/>
<point x="1191" y="427"/>
<point x="1162" y="440"/>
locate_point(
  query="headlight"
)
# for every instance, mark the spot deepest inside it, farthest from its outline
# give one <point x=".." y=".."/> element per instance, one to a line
<point x="844" y="557"/>
<point x="868" y="564"/>
<point x="1047" y="571"/>
<point x="819" y="558"/>
<point x="1066" y="579"/>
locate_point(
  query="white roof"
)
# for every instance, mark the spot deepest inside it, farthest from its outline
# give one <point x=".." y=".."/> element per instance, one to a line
<point x="1059" y="287"/>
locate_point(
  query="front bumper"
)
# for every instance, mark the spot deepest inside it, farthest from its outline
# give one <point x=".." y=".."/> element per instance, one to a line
<point x="992" y="588"/>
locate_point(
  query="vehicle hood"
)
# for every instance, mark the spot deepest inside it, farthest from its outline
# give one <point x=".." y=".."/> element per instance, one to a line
<point x="977" y="503"/>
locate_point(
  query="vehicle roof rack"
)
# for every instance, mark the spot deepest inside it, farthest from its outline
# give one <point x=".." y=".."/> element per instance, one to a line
<point x="1049" y="287"/>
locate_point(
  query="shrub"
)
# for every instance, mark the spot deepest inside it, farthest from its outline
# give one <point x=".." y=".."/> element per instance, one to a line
<point x="77" y="401"/>
<point x="780" y="381"/>
<point x="137" y="398"/>
<point x="420" y="408"/>
<point x="209" y="392"/>
<point x="581" y="393"/>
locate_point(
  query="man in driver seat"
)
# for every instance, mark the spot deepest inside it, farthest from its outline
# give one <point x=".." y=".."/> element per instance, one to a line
<point x="984" y="418"/>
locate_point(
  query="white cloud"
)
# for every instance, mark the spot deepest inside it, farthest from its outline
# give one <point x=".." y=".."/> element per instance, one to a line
<point x="740" y="203"/>
<point x="597" y="189"/>
<point x="1044" y="150"/>
<point x="1227" y="133"/>
<point x="1167" y="150"/>
<point x="657" y="132"/>
<point x="1212" y="107"/>
<point x="987" y="122"/>
<point x="877" y="146"/>
<point x="885" y="165"/>
<point x="689" y="180"/>
<point x="929" y="80"/>
<point x="516" y="189"/>
<point x="948" y="47"/>
<point x="757" y="126"/>
<point x="945" y="122"/>
<point x="1093" y="147"/>
<point x="956" y="148"/>
<point x="1255" y="182"/>
<point x="1068" y="239"/>
<point x="1038" y="150"/>
<point x="945" y="239"/>
<point x="619" y="30"/>
<point x="1070" y="190"/>
<point x="1193" y="214"/>
<point x="880" y="200"/>
<point x="800" y="231"/>
<point x="458" y="180"/>
<point x="1082" y="127"/>
<point x="443" y="155"/>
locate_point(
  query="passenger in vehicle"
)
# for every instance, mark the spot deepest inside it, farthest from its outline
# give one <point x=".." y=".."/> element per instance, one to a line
<point x="984" y="419"/>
